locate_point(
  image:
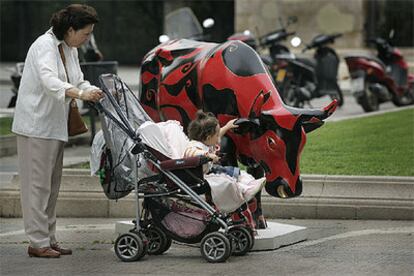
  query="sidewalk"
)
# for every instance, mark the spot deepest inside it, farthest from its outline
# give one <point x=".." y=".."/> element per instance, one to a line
<point x="333" y="247"/>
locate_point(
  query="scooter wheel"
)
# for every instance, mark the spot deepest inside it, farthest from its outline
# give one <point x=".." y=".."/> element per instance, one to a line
<point x="369" y="101"/>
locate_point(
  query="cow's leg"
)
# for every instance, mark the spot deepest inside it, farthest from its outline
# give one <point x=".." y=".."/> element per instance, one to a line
<point x="228" y="148"/>
<point x="256" y="203"/>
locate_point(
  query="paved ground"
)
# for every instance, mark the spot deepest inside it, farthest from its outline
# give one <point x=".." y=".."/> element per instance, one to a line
<point x="335" y="247"/>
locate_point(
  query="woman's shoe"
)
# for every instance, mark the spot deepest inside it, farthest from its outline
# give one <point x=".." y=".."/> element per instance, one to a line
<point x="61" y="250"/>
<point x="44" y="252"/>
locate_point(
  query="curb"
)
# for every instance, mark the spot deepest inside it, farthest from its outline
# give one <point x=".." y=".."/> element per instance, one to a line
<point x="347" y="197"/>
<point x="324" y="197"/>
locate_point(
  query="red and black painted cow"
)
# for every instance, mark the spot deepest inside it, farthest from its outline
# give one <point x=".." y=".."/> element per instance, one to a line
<point x="230" y="80"/>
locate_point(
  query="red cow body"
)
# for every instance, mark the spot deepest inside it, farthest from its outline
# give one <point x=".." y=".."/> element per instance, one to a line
<point x="230" y="80"/>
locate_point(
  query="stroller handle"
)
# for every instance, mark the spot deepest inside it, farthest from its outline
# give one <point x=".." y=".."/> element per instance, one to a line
<point x="184" y="163"/>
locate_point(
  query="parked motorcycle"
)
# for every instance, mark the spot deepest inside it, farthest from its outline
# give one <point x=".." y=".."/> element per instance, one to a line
<point x="306" y="79"/>
<point x="375" y="80"/>
<point x="16" y="76"/>
<point x="273" y="42"/>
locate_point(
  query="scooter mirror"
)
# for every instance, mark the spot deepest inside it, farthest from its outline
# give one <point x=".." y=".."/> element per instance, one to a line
<point x="163" y="38"/>
<point x="391" y="34"/>
<point x="296" y="41"/>
<point x="208" y="23"/>
<point x="292" y="19"/>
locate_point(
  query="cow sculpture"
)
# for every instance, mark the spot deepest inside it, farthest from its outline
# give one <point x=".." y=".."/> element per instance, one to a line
<point x="230" y="80"/>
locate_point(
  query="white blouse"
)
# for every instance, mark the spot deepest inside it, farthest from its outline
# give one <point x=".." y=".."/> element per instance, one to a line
<point x="42" y="109"/>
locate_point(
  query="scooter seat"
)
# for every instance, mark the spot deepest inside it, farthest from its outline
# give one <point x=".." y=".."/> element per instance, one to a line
<point x="307" y="61"/>
<point x="373" y="58"/>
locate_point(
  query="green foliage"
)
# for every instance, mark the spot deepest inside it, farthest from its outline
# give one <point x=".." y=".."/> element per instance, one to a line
<point x="5" y="126"/>
<point x="378" y="145"/>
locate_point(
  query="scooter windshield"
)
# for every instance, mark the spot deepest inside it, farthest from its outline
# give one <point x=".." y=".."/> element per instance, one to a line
<point x="182" y="23"/>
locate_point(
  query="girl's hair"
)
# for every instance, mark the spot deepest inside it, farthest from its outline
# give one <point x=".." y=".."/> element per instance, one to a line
<point x="76" y="16"/>
<point x="204" y="125"/>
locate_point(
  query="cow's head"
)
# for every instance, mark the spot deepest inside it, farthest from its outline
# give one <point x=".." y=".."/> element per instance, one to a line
<point x="276" y="138"/>
<point x="270" y="133"/>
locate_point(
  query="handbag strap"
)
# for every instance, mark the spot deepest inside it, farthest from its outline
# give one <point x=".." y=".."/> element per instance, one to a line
<point x="62" y="56"/>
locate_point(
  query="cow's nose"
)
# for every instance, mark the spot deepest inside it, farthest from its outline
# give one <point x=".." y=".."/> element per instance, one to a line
<point x="280" y="188"/>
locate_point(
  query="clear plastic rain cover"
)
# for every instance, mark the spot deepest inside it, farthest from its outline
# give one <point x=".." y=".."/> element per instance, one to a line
<point x="121" y="115"/>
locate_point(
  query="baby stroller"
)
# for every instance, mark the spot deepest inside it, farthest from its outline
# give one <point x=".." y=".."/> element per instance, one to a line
<point x="134" y="157"/>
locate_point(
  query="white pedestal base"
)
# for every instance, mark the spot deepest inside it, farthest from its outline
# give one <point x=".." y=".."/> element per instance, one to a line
<point x="274" y="236"/>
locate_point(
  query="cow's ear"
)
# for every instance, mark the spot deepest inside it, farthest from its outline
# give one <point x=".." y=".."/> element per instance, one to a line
<point x="312" y="119"/>
<point x="258" y="103"/>
<point x="311" y="126"/>
<point x="246" y="125"/>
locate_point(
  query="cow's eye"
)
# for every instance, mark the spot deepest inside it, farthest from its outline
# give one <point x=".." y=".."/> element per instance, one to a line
<point x="271" y="142"/>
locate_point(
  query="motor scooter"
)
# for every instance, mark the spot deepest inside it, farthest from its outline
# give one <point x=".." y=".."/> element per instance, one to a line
<point x="273" y="43"/>
<point x="182" y="23"/>
<point x="306" y="78"/>
<point x="379" y="79"/>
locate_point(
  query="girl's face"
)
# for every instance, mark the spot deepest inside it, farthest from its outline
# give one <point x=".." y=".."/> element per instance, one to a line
<point x="213" y="139"/>
<point x="77" y="38"/>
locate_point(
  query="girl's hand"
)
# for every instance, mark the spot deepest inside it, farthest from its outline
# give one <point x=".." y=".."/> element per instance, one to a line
<point x="230" y="125"/>
<point x="214" y="157"/>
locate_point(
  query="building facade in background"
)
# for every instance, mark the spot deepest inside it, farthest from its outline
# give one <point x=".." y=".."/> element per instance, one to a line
<point x="356" y="19"/>
<point x="129" y="29"/>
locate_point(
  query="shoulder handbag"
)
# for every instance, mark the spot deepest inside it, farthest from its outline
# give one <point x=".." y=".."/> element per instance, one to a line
<point x="76" y="125"/>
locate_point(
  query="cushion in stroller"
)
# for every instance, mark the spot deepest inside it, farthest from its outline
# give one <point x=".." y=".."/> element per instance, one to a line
<point x="167" y="140"/>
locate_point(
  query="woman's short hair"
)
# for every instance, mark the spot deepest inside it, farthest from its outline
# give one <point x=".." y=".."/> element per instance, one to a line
<point x="204" y="125"/>
<point x="76" y="16"/>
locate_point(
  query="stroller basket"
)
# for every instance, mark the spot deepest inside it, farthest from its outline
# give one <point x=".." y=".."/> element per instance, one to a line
<point x="183" y="221"/>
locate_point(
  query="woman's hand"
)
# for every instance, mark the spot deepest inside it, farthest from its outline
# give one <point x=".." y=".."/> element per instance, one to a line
<point x="93" y="95"/>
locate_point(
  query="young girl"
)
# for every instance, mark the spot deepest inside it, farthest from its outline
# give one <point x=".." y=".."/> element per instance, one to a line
<point x="205" y="134"/>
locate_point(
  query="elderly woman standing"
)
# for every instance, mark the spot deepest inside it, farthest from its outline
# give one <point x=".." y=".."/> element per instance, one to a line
<point x="51" y="78"/>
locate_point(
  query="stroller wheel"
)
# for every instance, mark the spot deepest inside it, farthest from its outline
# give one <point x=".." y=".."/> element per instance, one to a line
<point x="241" y="240"/>
<point x="130" y="247"/>
<point x="159" y="242"/>
<point x="215" y="247"/>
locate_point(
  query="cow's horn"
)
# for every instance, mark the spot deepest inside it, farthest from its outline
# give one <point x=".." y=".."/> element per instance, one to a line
<point x="258" y="102"/>
<point x="311" y="119"/>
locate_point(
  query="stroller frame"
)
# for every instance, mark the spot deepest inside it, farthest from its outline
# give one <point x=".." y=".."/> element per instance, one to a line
<point x="216" y="246"/>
